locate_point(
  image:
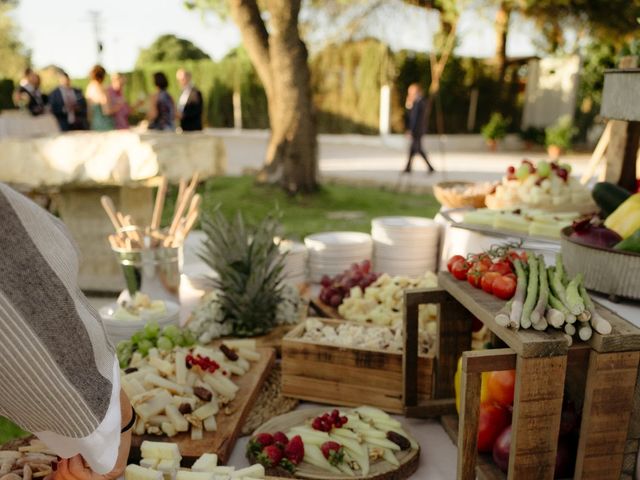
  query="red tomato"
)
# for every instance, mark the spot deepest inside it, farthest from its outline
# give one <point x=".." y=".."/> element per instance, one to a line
<point x="492" y="421"/>
<point x="460" y="269"/>
<point x="504" y="287"/>
<point x="502" y="267"/>
<point x="487" y="280"/>
<point x="453" y="260"/>
<point x="512" y="275"/>
<point x="482" y="258"/>
<point x="474" y="275"/>
<point x="501" y="386"/>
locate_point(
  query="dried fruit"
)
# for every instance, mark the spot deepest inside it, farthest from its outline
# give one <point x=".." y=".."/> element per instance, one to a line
<point x="400" y="440"/>
<point x="185" y="408"/>
<point x="202" y="393"/>
<point x="230" y="354"/>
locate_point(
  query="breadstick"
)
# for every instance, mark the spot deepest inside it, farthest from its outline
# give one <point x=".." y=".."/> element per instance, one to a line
<point x="182" y="186"/>
<point x="110" y="208"/>
<point x="181" y="207"/>
<point x="195" y="204"/>
<point x="159" y="206"/>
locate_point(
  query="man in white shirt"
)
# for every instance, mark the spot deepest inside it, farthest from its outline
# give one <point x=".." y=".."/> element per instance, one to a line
<point x="190" y="104"/>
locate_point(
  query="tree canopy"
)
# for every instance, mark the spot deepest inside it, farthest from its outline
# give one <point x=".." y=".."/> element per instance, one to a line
<point x="167" y="48"/>
<point x="14" y="55"/>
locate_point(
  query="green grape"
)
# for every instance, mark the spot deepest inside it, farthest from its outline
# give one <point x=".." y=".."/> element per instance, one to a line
<point x="171" y="331"/>
<point x="522" y="172"/>
<point x="144" y="346"/>
<point x="544" y="169"/>
<point x="137" y="337"/>
<point x="124" y="350"/>
<point x="151" y="330"/>
<point x="164" y="344"/>
<point x="124" y="346"/>
<point x="188" y="338"/>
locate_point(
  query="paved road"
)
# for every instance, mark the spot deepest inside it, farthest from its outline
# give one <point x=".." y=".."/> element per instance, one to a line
<point x="367" y="158"/>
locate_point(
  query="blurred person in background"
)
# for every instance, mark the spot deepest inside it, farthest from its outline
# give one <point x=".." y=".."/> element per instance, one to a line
<point x="101" y="110"/>
<point x="416" y="124"/>
<point x="190" y="104"/>
<point x="68" y="105"/>
<point x="162" y="110"/>
<point x="28" y="94"/>
<point x="115" y="92"/>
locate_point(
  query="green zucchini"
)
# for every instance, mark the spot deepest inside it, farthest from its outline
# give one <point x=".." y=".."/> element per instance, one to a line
<point x="609" y="196"/>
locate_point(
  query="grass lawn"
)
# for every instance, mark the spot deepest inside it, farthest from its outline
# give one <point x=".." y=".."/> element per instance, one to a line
<point x="9" y="431"/>
<point x="334" y="207"/>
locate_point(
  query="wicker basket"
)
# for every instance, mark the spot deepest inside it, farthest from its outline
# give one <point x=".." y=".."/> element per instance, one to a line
<point x="449" y="196"/>
<point x="607" y="271"/>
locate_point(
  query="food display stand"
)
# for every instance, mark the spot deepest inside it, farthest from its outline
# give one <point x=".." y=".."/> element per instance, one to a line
<point x="602" y="372"/>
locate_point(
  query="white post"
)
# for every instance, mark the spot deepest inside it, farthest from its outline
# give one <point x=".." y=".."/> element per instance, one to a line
<point x="385" y="108"/>
<point x="237" y="111"/>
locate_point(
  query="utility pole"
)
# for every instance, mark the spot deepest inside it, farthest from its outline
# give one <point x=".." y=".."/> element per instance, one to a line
<point x="96" y="19"/>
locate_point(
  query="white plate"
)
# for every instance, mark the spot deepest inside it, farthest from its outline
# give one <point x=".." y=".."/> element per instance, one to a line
<point x="404" y="236"/>
<point x="337" y="241"/>
<point x="404" y="223"/>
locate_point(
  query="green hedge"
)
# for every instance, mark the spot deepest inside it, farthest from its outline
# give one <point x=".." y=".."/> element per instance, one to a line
<point x="346" y="81"/>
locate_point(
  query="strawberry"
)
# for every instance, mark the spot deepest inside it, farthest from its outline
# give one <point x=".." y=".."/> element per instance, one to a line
<point x="333" y="452"/>
<point x="257" y="443"/>
<point x="270" y="456"/>
<point x="287" y="465"/>
<point x="294" y="451"/>
<point x="280" y="439"/>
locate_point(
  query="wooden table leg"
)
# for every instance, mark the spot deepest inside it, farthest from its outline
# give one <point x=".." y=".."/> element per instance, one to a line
<point x="608" y="402"/>
<point x="537" y="409"/>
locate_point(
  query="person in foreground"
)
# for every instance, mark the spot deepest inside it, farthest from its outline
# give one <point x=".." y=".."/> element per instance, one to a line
<point x="189" y="104"/>
<point x="416" y="124"/>
<point x="59" y="373"/>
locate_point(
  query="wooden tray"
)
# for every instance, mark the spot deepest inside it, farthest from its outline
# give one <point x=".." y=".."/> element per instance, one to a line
<point x="222" y="441"/>
<point x="380" y="470"/>
<point x="324" y="310"/>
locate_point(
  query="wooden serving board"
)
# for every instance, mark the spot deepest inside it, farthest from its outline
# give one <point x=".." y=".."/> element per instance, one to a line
<point x="324" y="309"/>
<point x="379" y="470"/>
<point x="222" y="441"/>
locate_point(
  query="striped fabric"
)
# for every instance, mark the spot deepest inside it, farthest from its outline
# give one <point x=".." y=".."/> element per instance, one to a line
<point x="56" y="364"/>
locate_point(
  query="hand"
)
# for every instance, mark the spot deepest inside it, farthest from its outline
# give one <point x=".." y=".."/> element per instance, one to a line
<point x="75" y="468"/>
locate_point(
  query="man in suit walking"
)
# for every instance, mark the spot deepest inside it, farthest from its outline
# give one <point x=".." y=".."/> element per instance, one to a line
<point x="416" y="124"/>
<point x="190" y="104"/>
<point x="68" y="105"/>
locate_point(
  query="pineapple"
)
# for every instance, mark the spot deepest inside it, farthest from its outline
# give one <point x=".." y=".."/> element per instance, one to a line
<point x="249" y="267"/>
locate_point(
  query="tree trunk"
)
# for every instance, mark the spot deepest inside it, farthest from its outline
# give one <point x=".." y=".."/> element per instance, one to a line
<point x="502" y="31"/>
<point x="280" y="58"/>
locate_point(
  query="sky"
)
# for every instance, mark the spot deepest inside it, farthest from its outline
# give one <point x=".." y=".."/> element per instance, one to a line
<point x="60" y="32"/>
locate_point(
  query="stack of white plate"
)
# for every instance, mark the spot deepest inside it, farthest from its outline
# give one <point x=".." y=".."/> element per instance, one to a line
<point x="119" y="330"/>
<point x="331" y="253"/>
<point x="295" y="262"/>
<point x="404" y="245"/>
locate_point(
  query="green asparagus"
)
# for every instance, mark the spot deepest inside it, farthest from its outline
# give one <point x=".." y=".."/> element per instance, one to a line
<point x="532" y="292"/>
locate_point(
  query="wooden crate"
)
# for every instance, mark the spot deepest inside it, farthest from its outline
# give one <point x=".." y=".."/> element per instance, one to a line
<point x="347" y="376"/>
<point x="601" y="374"/>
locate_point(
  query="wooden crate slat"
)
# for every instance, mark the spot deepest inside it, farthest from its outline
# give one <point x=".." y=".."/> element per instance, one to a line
<point x="470" y="383"/>
<point x="611" y="385"/>
<point x="624" y="336"/>
<point x="528" y="343"/>
<point x="536" y="417"/>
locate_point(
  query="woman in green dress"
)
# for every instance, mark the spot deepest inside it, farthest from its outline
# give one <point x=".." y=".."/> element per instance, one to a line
<point x="100" y="108"/>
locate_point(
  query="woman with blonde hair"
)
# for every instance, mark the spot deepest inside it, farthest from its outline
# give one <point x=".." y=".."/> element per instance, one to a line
<point x="100" y="107"/>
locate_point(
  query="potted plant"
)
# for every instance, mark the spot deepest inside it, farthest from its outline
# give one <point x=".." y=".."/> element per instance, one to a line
<point x="532" y="136"/>
<point x="558" y="136"/>
<point x="495" y="130"/>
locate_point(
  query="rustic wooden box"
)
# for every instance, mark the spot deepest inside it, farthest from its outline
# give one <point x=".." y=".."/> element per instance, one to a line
<point x="347" y="376"/>
<point x="602" y="375"/>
